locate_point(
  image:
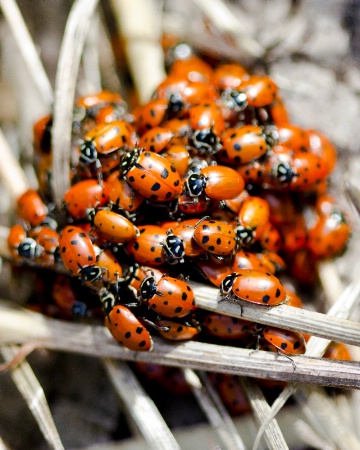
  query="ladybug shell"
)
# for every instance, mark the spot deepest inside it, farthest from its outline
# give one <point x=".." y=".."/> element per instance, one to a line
<point x="294" y="137"/>
<point x="76" y="249"/>
<point x="42" y="135"/>
<point x="272" y="261"/>
<point x="108" y="114"/>
<point x="258" y="287"/>
<point x="260" y="90"/>
<point x="242" y="145"/>
<point x="100" y="98"/>
<point x="122" y="194"/>
<point x="253" y="172"/>
<point x="187" y="205"/>
<point x="185" y="231"/>
<point x="154" y="177"/>
<point x="205" y="115"/>
<point x="194" y="68"/>
<point x="178" y="156"/>
<point x="48" y="239"/>
<point x="31" y="208"/>
<point x="173" y="298"/>
<point x="228" y="76"/>
<point x="114" y="227"/>
<point x="177" y="331"/>
<point x="86" y="194"/>
<point x="247" y="261"/>
<point x="254" y="214"/>
<point x="286" y="341"/>
<point x="139" y="273"/>
<point x="231" y="393"/>
<point x="216" y="237"/>
<point x="16" y="235"/>
<point x="222" y="183"/>
<point x="329" y="236"/>
<point x="147" y="248"/>
<point x="112" y="269"/>
<point x="213" y="269"/>
<point x="337" y="350"/>
<point x="150" y="115"/>
<point x="293" y="299"/>
<point x="322" y="147"/>
<point x="226" y="327"/>
<point x="309" y="169"/>
<point x="156" y="139"/>
<point x="128" y="330"/>
<point x="270" y="238"/>
<point x="108" y="137"/>
<point x="63" y="293"/>
<point x="278" y="113"/>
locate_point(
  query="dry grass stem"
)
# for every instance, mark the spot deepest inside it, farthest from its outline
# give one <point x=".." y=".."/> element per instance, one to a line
<point x="11" y="173"/>
<point x="330" y="281"/>
<point x="273" y="435"/>
<point x="140" y="28"/>
<point x="310" y="437"/>
<point x="141" y="408"/>
<point x="72" y="46"/>
<point x="31" y="390"/>
<point x="21" y="326"/>
<point x="281" y="316"/>
<point x="91" y="58"/>
<point x="27" y="49"/>
<point x="214" y="410"/>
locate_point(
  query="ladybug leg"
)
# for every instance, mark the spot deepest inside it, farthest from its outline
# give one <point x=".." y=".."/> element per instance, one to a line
<point x="288" y="357"/>
<point x="153" y="325"/>
<point x="23" y="352"/>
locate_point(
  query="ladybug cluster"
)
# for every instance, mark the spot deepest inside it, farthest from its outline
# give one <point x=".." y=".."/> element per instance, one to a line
<point x="208" y="180"/>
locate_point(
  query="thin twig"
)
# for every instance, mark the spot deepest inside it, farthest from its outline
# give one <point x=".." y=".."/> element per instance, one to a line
<point x="21" y="326"/>
<point x="28" y="50"/>
<point x="310" y="437"/>
<point x="76" y="30"/>
<point x="142" y="409"/>
<point x="31" y="390"/>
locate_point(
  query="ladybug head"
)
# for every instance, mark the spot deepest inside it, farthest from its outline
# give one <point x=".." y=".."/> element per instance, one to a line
<point x="29" y="249"/>
<point x="227" y="285"/>
<point x="90" y="273"/>
<point x="283" y="172"/>
<point x="234" y="99"/>
<point x="107" y="301"/>
<point x="205" y="140"/>
<point x="175" y="105"/>
<point x="79" y="310"/>
<point x="195" y="184"/>
<point x="245" y="236"/>
<point x="174" y="248"/>
<point x="148" y="288"/>
<point x="88" y="153"/>
<point x="128" y="160"/>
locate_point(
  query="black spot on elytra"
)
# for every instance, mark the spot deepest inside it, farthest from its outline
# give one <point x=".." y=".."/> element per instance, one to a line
<point x="266" y="299"/>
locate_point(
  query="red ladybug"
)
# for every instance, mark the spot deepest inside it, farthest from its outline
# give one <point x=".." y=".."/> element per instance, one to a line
<point x="294" y="137"/>
<point x="322" y="147"/>
<point x="286" y="341"/>
<point x="152" y="175"/>
<point x="122" y="195"/>
<point x="110" y="267"/>
<point x="31" y="208"/>
<point x="243" y="260"/>
<point x="205" y="115"/>
<point x="255" y="287"/>
<point x="176" y="331"/>
<point x="114" y="227"/>
<point x="226" y="327"/>
<point x="42" y="135"/>
<point x="65" y="297"/>
<point x="194" y="68"/>
<point x="169" y="297"/>
<point x="138" y="273"/>
<point x="147" y="248"/>
<point x="16" y="236"/>
<point x="179" y="157"/>
<point x="156" y="139"/>
<point x="185" y="231"/>
<point x="260" y="90"/>
<point x="85" y="195"/>
<point x="218" y="183"/>
<point x="128" y="330"/>
<point x="253" y="217"/>
<point x="216" y="237"/>
<point x="99" y="99"/>
<point x="213" y="269"/>
<point x="337" y="350"/>
<point x="48" y="240"/>
<point x="242" y="145"/>
<point x="229" y="76"/>
<point x="78" y="254"/>
<point x="150" y="115"/>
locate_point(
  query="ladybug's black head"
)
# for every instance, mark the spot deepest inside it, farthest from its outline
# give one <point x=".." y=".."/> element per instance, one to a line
<point x="174" y="248"/>
<point x="284" y="173"/>
<point x="88" y="153"/>
<point x="128" y="160"/>
<point x="245" y="236"/>
<point x="227" y="284"/>
<point x="175" y="105"/>
<point x="148" y="288"/>
<point x="206" y="140"/>
<point x="91" y="273"/>
<point x="107" y="301"/>
<point x="195" y="184"/>
<point x="234" y="99"/>
<point x="29" y="249"/>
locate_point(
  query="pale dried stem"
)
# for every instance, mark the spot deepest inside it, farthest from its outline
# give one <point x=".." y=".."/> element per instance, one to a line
<point x="140" y="28"/>
<point x="73" y="42"/>
<point x="31" y="390"/>
<point x="27" y="50"/>
<point x="141" y="408"/>
<point x="213" y="409"/>
<point x="273" y="435"/>
<point x="21" y="326"/>
<point x="11" y="173"/>
<point x="91" y="59"/>
<point x="310" y="437"/>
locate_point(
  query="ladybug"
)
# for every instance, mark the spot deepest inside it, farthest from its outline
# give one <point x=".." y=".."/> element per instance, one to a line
<point x="99" y="99"/>
<point x="151" y="115"/>
<point x="110" y="267"/>
<point x="103" y="139"/>
<point x="231" y="393"/>
<point x="278" y="113"/>
<point x="138" y="273"/>
<point x="270" y="238"/>
<point x="218" y="183"/>
<point x="213" y="269"/>
<point x="194" y="68"/>
<point x="260" y="90"/>
<point x="309" y="170"/>
<point x="174" y="248"/>
<point x="176" y="331"/>
<point x="42" y="135"/>
<point x="65" y="297"/>
<point x="31" y="208"/>
<point x="272" y="261"/>
<point x="122" y="195"/>
<point x="228" y="76"/>
<point x="214" y="236"/>
<point x="16" y="236"/>
<point x="253" y="286"/>
<point x="294" y="137"/>
<point x="205" y="141"/>
<point x="286" y="341"/>
<point x="205" y="115"/>
<point x="185" y="231"/>
<point x="242" y="145"/>
<point x="147" y="248"/>
<point x="48" y="240"/>
<point x="226" y="327"/>
<point x="78" y="254"/>
<point x="243" y="260"/>
<point x="322" y="147"/>
<point x="156" y="139"/>
<point x="252" y="218"/>
<point x="152" y="175"/>
<point x="337" y="350"/>
<point x="295" y="235"/>
<point x="22" y="247"/>
<point x="169" y="297"/>
<point x="108" y="114"/>
<point x="179" y="157"/>
<point x="128" y="330"/>
<point x="293" y="299"/>
<point x="85" y="195"/>
<point x="253" y="172"/>
<point x="187" y="205"/>
<point x="113" y="227"/>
